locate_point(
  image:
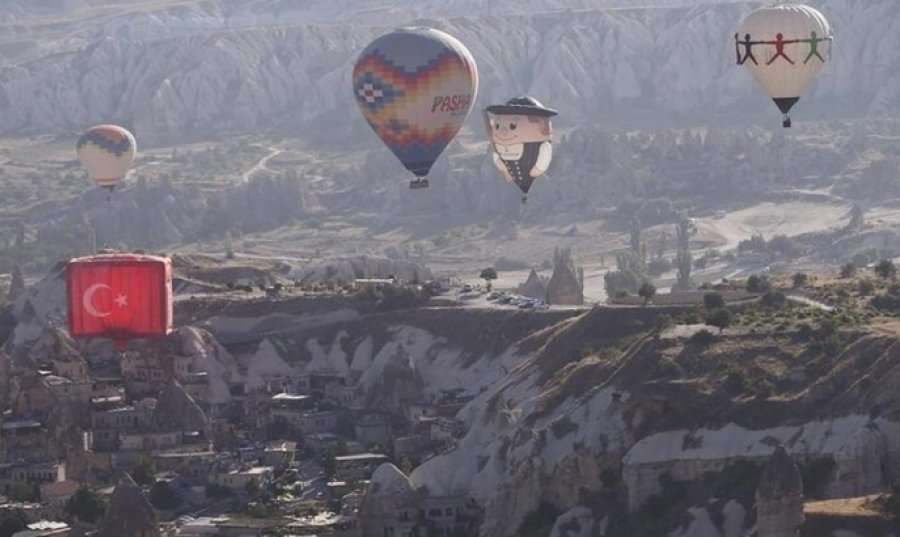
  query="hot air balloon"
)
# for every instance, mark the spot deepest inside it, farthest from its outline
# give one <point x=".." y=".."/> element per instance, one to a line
<point x="120" y="297"/>
<point x="415" y="88"/>
<point x="520" y="133"/>
<point x="106" y="152"/>
<point x="784" y="47"/>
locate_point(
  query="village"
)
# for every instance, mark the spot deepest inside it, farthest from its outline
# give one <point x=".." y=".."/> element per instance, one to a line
<point x="300" y="450"/>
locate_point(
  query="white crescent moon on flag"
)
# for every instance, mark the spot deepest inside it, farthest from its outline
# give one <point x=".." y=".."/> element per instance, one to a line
<point x="88" y="300"/>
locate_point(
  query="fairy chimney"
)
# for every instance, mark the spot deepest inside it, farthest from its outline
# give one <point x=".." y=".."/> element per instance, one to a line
<point x="779" y="497"/>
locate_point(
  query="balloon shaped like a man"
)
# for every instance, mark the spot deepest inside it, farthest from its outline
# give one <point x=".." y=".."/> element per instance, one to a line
<point x="520" y="133"/>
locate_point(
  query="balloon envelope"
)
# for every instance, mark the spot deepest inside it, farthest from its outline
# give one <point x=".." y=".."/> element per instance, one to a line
<point x="521" y="139"/>
<point x="107" y="153"/>
<point x="119" y="296"/>
<point x="784" y="47"/>
<point x="415" y="88"/>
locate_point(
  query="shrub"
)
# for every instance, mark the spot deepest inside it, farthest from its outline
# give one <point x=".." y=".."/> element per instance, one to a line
<point x="563" y="426"/>
<point x="800" y="279"/>
<point x="866" y="287"/>
<point x="720" y="318"/>
<point x="713" y="301"/>
<point x="774" y="299"/>
<point x="885" y="269"/>
<point x="848" y="270"/>
<point x="735" y="382"/>
<point x="702" y="337"/>
<point x="758" y="284"/>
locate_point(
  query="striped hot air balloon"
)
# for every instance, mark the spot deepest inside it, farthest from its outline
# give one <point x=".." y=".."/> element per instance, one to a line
<point x="415" y="88"/>
<point x="784" y="47"/>
<point x="107" y="153"/>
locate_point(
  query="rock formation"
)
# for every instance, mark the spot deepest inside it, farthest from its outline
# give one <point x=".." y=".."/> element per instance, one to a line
<point x="388" y="500"/>
<point x="130" y="513"/>
<point x="166" y="74"/>
<point x="534" y="287"/>
<point x="779" y="498"/>
<point x="176" y="410"/>
<point x="566" y="285"/>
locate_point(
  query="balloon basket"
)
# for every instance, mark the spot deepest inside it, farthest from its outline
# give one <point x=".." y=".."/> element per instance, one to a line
<point x="524" y="200"/>
<point x="786" y="123"/>
<point x="417" y="184"/>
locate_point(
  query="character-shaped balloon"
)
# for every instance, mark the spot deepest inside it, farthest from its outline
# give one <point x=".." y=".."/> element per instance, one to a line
<point x="784" y="47"/>
<point x="415" y="87"/>
<point x="520" y="133"/>
<point x="106" y="152"/>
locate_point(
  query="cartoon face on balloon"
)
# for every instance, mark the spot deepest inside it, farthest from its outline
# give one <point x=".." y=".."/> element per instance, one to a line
<point x="510" y="133"/>
<point x="520" y="134"/>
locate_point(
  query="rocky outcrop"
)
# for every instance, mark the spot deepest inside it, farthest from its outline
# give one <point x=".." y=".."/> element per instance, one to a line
<point x="388" y="496"/>
<point x="177" y="411"/>
<point x="129" y="512"/>
<point x="345" y="270"/>
<point x="173" y="72"/>
<point x="534" y="287"/>
<point x="779" y="497"/>
<point x="566" y="285"/>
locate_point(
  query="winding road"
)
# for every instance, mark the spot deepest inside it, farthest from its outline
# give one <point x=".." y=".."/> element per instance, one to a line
<point x="263" y="164"/>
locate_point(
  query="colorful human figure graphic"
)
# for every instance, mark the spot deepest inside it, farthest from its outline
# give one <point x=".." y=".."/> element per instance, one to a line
<point x="779" y="48"/>
<point x="748" y="49"/>
<point x="814" y="41"/>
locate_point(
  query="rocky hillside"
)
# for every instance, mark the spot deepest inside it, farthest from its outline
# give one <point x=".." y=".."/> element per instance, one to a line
<point x="630" y="420"/>
<point x="189" y="70"/>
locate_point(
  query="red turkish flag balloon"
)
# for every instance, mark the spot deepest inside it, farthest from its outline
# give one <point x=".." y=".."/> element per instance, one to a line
<point x="120" y="297"/>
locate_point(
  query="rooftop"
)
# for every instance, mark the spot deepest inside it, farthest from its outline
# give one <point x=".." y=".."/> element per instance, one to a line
<point x="256" y="470"/>
<point x="21" y="424"/>
<point x="362" y="457"/>
<point x="289" y="397"/>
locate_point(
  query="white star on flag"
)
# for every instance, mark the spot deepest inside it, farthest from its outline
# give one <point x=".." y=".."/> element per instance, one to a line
<point x="121" y="301"/>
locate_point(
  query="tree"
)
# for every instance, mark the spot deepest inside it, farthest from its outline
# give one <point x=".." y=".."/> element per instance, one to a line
<point x="885" y="269"/>
<point x="774" y="299"/>
<point x="229" y="246"/>
<point x="713" y="301"/>
<point x="758" y="284"/>
<point x="628" y="276"/>
<point x="144" y="473"/>
<point x="488" y="275"/>
<point x="647" y="292"/>
<point x="857" y="218"/>
<point x="683" y="258"/>
<point x="22" y="492"/>
<point x="163" y="497"/>
<point x="662" y="245"/>
<point x="866" y="287"/>
<point x="635" y="239"/>
<point x="12" y="522"/>
<point x="86" y="506"/>
<point x="848" y="270"/>
<point x="17" y="285"/>
<point x="720" y="318"/>
<point x="252" y="488"/>
<point x="800" y="279"/>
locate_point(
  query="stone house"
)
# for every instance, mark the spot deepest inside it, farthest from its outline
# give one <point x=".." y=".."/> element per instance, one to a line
<point x="374" y="428"/>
